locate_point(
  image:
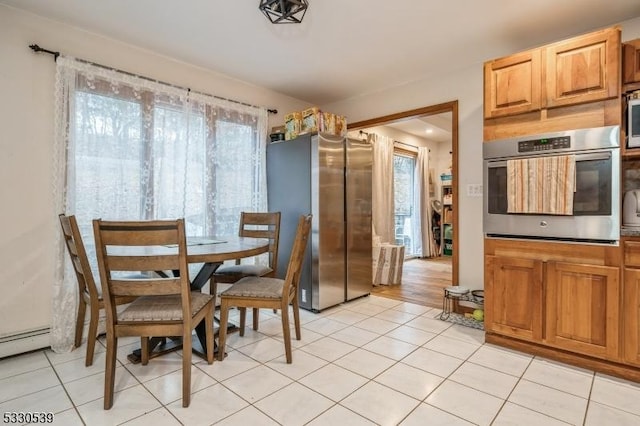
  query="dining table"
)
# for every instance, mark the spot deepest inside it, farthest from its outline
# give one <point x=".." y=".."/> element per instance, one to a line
<point x="210" y="252"/>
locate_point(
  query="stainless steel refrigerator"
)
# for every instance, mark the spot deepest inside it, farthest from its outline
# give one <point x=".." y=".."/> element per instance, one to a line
<point x="330" y="177"/>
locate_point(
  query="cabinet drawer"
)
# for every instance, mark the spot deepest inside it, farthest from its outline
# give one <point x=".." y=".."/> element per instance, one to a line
<point x="632" y="253"/>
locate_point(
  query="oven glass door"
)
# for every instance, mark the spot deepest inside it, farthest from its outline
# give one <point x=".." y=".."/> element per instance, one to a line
<point x="593" y="195"/>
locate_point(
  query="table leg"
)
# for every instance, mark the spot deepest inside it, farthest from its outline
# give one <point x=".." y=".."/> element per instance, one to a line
<point x="157" y="346"/>
<point x="204" y="274"/>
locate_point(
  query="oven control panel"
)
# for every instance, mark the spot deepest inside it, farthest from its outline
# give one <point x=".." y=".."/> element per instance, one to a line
<point x="545" y="144"/>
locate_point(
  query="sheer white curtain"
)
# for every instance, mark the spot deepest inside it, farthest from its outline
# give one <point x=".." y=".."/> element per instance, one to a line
<point x="382" y="203"/>
<point x="131" y="148"/>
<point x="424" y="244"/>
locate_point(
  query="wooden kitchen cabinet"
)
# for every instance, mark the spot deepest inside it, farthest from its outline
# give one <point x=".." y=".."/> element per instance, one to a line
<point x="564" y="301"/>
<point x="513" y="297"/>
<point x="582" y="308"/>
<point x="579" y="70"/>
<point x="583" y="69"/>
<point x="631" y="62"/>
<point x="631" y="301"/>
<point x="513" y="85"/>
<point x="631" y="315"/>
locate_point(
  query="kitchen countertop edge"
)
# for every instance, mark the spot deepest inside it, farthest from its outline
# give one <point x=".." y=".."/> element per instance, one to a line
<point x="630" y="232"/>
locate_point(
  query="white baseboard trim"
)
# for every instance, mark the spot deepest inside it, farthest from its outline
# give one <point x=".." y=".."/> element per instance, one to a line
<point x="24" y="342"/>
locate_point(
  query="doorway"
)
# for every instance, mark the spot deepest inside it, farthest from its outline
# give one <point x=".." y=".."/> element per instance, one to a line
<point x="423" y="279"/>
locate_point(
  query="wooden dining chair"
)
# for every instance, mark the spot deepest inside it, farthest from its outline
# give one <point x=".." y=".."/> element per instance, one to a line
<point x="256" y="225"/>
<point x="165" y="305"/>
<point x="90" y="293"/>
<point x="270" y="293"/>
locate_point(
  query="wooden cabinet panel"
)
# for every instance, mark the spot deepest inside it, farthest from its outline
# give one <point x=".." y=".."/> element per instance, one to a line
<point x="512" y="85"/>
<point x="582" y="312"/>
<point x="513" y="297"/>
<point x="631" y="253"/>
<point x="583" y="69"/>
<point x="631" y="61"/>
<point x="631" y="316"/>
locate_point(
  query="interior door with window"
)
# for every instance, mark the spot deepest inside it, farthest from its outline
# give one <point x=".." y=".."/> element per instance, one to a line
<point x="403" y="170"/>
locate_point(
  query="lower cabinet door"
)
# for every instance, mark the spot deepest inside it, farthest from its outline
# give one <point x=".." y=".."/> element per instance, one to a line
<point x="631" y="312"/>
<point x="582" y="312"/>
<point x="513" y="297"/>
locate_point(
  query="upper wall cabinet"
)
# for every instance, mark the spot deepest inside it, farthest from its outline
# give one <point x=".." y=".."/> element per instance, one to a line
<point x="631" y="62"/>
<point x="512" y="85"/>
<point x="583" y="69"/>
<point x="575" y="71"/>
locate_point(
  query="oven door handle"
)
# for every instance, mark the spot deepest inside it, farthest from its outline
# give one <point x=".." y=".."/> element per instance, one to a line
<point x="587" y="156"/>
<point x="593" y="156"/>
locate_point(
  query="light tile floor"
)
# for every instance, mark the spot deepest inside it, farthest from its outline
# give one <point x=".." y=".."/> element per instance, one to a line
<point x="370" y="361"/>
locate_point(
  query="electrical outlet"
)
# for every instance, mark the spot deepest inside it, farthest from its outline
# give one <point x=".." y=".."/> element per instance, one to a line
<point x="474" y="190"/>
<point x="304" y="295"/>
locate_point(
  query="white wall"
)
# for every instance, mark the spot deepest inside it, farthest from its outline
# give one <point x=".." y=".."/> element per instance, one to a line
<point x="466" y="87"/>
<point x="27" y="221"/>
<point x="631" y="29"/>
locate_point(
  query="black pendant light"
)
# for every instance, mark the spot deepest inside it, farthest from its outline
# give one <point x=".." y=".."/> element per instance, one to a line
<point x="284" y="11"/>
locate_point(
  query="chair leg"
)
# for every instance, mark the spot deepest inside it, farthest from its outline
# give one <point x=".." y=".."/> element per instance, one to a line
<point x="92" y="335"/>
<point x="209" y="333"/>
<point x="296" y="317"/>
<point x="256" y="314"/>
<point x="243" y="320"/>
<point x="82" y="309"/>
<point x="186" y="366"/>
<point x="286" y="333"/>
<point x="110" y="370"/>
<point x="213" y="289"/>
<point x="224" y="320"/>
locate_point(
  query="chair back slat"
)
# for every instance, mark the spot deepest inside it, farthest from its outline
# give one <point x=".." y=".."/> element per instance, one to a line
<point x="145" y="287"/>
<point x="257" y="233"/>
<point x="294" y="268"/>
<point x="119" y="234"/>
<point x="144" y="263"/>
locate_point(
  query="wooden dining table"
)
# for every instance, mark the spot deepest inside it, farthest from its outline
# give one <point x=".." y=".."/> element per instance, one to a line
<point x="211" y="252"/>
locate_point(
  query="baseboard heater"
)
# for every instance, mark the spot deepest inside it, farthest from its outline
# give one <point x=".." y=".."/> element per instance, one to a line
<point x="24" y="342"/>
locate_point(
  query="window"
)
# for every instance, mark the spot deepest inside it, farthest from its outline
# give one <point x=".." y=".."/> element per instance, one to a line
<point x="129" y="148"/>
<point x="137" y="149"/>
<point x="404" y="165"/>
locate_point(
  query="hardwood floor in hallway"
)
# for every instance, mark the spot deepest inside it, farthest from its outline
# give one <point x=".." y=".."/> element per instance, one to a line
<point x="423" y="281"/>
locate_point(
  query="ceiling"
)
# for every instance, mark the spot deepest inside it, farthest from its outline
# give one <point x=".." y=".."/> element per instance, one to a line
<point x="342" y="49"/>
<point x="439" y="127"/>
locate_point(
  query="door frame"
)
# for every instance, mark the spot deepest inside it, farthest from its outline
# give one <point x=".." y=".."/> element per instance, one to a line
<point x="442" y="108"/>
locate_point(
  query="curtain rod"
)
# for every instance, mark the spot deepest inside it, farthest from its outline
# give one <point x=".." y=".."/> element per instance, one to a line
<point x="38" y="49"/>
<point x="362" y="132"/>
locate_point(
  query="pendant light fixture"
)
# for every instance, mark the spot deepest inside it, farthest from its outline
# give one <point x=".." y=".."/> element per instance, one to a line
<point x="284" y="11"/>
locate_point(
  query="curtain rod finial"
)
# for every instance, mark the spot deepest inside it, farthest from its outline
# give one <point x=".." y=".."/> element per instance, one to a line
<point x="37" y="49"/>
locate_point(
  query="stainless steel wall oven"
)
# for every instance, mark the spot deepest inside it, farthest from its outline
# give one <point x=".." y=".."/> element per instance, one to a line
<point x="595" y="216"/>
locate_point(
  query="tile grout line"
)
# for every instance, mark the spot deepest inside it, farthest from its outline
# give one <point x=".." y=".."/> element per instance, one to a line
<point x="73" y="404"/>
